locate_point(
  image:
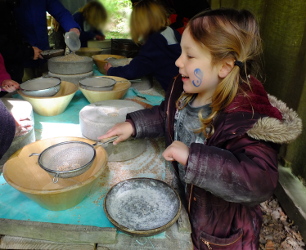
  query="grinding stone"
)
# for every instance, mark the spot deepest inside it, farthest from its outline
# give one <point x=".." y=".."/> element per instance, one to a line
<point x="72" y="78"/>
<point x="97" y="118"/>
<point x="70" y="64"/>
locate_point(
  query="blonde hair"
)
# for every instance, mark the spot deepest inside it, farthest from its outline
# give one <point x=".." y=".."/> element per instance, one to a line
<point x="147" y="17"/>
<point x="228" y="34"/>
<point x="95" y="14"/>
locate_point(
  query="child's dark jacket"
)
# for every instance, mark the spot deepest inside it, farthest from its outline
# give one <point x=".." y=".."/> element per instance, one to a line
<point x="236" y="170"/>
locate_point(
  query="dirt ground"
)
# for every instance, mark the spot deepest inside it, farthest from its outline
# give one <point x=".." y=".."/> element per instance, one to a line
<point x="278" y="231"/>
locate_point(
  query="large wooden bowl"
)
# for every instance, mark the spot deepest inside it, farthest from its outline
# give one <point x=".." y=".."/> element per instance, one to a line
<point x="24" y="174"/>
<point x="120" y="88"/>
<point x="100" y="61"/>
<point x="54" y="105"/>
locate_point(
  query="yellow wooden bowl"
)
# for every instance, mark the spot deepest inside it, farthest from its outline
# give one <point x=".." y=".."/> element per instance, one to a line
<point x="24" y="174"/>
<point x="54" y="105"/>
<point x="100" y="61"/>
<point x="120" y="88"/>
<point x="88" y="51"/>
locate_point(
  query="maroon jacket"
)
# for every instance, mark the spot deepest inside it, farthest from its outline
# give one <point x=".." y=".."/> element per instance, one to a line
<point x="229" y="176"/>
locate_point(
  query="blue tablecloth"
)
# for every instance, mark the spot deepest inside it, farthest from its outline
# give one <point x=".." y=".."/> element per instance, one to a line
<point x="14" y="205"/>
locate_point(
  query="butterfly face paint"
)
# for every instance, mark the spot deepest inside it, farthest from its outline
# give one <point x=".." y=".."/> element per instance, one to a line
<point x="199" y="75"/>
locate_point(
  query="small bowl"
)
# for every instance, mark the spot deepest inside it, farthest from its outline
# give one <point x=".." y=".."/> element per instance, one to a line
<point x="101" y="60"/>
<point x="88" y="51"/>
<point x="101" y="83"/>
<point x="41" y="86"/>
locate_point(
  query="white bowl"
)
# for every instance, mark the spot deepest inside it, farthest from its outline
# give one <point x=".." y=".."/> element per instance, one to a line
<point x="41" y="86"/>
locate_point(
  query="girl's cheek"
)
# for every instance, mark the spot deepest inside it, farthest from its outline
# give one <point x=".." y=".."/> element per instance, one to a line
<point x="198" y="77"/>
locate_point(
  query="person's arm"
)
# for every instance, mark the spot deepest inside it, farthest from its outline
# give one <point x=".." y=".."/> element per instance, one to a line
<point x="145" y="62"/>
<point x="245" y="171"/>
<point x="84" y="35"/>
<point x="6" y="83"/>
<point x="149" y="122"/>
<point x="3" y="73"/>
<point x="62" y="16"/>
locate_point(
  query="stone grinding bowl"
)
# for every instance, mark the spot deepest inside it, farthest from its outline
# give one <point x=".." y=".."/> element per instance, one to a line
<point x="70" y="64"/>
<point x="88" y="51"/>
<point x="41" y="86"/>
<point x="102" y="83"/>
<point x="142" y="206"/>
<point x="25" y="175"/>
<point x="54" y="105"/>
<point x="97" y="118"/>
<point x="120" y="88"/>
<point x="101" y="60"/>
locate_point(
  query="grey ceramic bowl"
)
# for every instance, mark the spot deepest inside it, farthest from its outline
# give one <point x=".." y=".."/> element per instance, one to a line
<point x="41" y="86"/>
<point x="99" y="83"/>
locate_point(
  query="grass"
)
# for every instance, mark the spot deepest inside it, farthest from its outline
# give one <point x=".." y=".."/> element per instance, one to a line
<point x="118" y="23"/>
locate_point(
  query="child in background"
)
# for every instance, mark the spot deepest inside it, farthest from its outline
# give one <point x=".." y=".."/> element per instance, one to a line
<point x="92" y="18"/>
<point x="6" y="83"/>
<point x="159" y="45"/>
<point x="222" y="129"/>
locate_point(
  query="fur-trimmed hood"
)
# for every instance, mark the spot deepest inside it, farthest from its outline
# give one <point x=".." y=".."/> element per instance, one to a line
<point x="275" y="121"/>
<point x="275" y="130"/>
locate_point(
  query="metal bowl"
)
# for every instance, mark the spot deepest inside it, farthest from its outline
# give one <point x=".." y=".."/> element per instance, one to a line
<point x="100" y="83"/>
<point x="67" y="159"/>
<point x="142" y="206"/>
<point x="41" y="86"/>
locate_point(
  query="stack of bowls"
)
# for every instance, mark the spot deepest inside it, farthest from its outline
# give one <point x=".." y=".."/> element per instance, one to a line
<point x="48" y="105"/>
<point x="103" y="88"/>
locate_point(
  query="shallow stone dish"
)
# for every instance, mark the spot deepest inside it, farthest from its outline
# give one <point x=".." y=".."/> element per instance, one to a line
<point x="142" y="206"/>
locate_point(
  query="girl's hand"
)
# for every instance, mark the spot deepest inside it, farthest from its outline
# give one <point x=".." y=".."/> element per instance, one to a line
<point x="123" y="130"/>
<point x="10" y="85"/>
<point x="177" y="151"/>
<point x="107" y="66"/>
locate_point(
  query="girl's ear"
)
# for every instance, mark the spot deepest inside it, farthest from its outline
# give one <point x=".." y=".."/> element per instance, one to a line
<point x="226" y="67"/>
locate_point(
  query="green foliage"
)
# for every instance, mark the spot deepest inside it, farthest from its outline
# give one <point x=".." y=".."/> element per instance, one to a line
<point x="118" y="22"/>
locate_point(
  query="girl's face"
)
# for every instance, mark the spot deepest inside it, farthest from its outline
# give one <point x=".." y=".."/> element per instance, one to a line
<point x="198" y="74"/>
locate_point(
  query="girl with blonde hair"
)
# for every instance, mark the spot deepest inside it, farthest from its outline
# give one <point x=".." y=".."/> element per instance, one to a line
<point x="223" y="131"/>
<point x="159" y="45"/>
<point x="92" y="18"/>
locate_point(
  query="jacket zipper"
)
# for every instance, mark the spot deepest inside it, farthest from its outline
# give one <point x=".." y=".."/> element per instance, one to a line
<point x="168" y="104"/>
<point x="208" y="244"/>
<point x="190" y="195"/>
